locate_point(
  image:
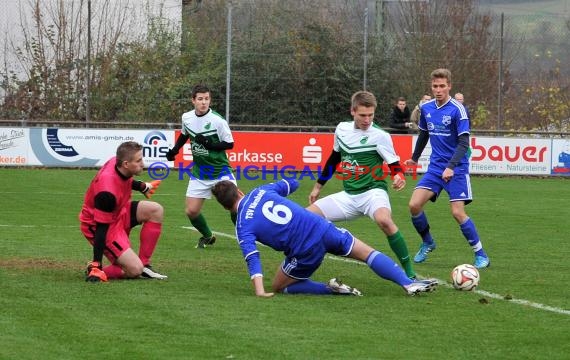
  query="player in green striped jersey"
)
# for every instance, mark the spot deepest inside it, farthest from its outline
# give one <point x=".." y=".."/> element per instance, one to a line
<point x="361" y="148"/>
<point x="210" y="137"/>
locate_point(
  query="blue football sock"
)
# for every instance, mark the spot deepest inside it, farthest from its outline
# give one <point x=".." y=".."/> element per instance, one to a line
<point x="470" y="232"/>
<point x="421" y="224"/>
<point x="308" y="287"/>
<point x="386" y="268"/>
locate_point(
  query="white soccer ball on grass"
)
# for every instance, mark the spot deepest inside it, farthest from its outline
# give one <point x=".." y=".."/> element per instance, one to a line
<point x="465" y="277"/>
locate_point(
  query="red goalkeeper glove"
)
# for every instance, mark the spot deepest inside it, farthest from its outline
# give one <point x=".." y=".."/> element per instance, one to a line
<point x="150" y="188"/>
<point x="95" y="273"/>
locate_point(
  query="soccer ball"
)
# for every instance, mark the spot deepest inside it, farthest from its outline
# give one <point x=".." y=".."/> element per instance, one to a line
<point x="465" y="277"/>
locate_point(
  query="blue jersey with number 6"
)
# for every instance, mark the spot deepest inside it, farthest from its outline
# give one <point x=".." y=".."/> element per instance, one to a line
<point x="266" y="216"/>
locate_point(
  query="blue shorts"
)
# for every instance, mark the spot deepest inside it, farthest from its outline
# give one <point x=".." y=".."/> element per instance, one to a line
<point x="458" y="188"/>
<point x="337" y="241"/>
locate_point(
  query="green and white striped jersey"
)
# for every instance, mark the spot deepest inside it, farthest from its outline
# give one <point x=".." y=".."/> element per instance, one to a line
<point x="363" y="153"/>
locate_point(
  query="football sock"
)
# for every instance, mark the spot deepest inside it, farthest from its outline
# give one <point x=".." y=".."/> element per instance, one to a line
<point x="386" y="268"/>
<point x="470" y="232"/>
<point x="199" y="222"/>
<point x="421" y="224"/>
<point x="150" y="233"/>
<point x="399" y="247"/>
<point x="308" y="287"/>
<point x="113" y="271"/>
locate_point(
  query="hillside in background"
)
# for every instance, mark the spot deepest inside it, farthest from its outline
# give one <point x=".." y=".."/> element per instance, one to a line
<point x="518" y="7"/>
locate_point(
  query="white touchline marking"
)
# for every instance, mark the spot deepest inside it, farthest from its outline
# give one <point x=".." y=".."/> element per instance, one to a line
<point x="441" y="282"/>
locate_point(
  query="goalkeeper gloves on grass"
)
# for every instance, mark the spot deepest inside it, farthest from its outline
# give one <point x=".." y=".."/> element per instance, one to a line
<point x="95" y="273"/>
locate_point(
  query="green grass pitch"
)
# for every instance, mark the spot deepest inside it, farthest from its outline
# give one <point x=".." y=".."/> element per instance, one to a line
<point x="207" y="309"/>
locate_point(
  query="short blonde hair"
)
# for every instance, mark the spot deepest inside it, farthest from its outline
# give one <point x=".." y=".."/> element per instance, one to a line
<point x="441" y="74"/>
<point x="126" y="151"/>
<point x="363" y="98"/>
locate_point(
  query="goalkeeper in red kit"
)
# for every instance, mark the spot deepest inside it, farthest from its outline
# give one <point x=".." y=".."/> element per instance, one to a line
<point x="109" y="214"/>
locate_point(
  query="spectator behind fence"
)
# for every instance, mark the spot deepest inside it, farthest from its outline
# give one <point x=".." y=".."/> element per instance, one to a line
<point x="400" y="118"/>
<point x="415" y="117"/>
<point x="461" y="99"/>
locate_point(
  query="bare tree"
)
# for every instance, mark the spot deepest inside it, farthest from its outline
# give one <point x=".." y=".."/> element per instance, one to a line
<point x="53" y="51"/>
<point x="444" y="34"/>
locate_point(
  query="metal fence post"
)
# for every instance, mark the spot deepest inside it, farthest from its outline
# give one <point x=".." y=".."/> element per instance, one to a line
<point x="88" y="72"/>
<point x="228" y="61"/>
<point x="500" y="95"/>
<point x="365" y="66"/>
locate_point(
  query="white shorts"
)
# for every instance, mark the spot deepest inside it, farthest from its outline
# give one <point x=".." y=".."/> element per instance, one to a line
<point x="202" y="189"/>
<point x="344" y="206"/>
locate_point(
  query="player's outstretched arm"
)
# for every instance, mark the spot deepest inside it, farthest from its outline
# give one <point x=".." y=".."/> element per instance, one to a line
<point x="171" y="153"/>
<point x="252" y="258"/>
<point x="285" y="186"/>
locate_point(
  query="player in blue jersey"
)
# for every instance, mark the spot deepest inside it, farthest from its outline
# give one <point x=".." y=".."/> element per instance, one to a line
<point x="445" y="123"/>
<point x="265" y="215"/>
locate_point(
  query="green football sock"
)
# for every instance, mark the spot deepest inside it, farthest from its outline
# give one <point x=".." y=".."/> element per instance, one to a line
<point x="199" y="222"/>
<point x="399" y="247"/>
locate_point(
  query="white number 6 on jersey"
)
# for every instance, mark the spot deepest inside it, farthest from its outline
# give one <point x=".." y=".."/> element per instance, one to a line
<point x="279" y="214"/>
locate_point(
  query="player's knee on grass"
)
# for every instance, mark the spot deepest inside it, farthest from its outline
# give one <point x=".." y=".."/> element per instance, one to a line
<point x="131" y="264"/>
<point x="133" y="270"/>
<point x="277" y="286"/>
<point x="280" y="282"/>
<point x="277" y="289"/>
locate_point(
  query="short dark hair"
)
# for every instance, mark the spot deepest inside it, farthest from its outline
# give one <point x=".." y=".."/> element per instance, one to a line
<point x="199" y="88"/>
<point x="127" y="150"/>
<point x="226" y="192"/>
